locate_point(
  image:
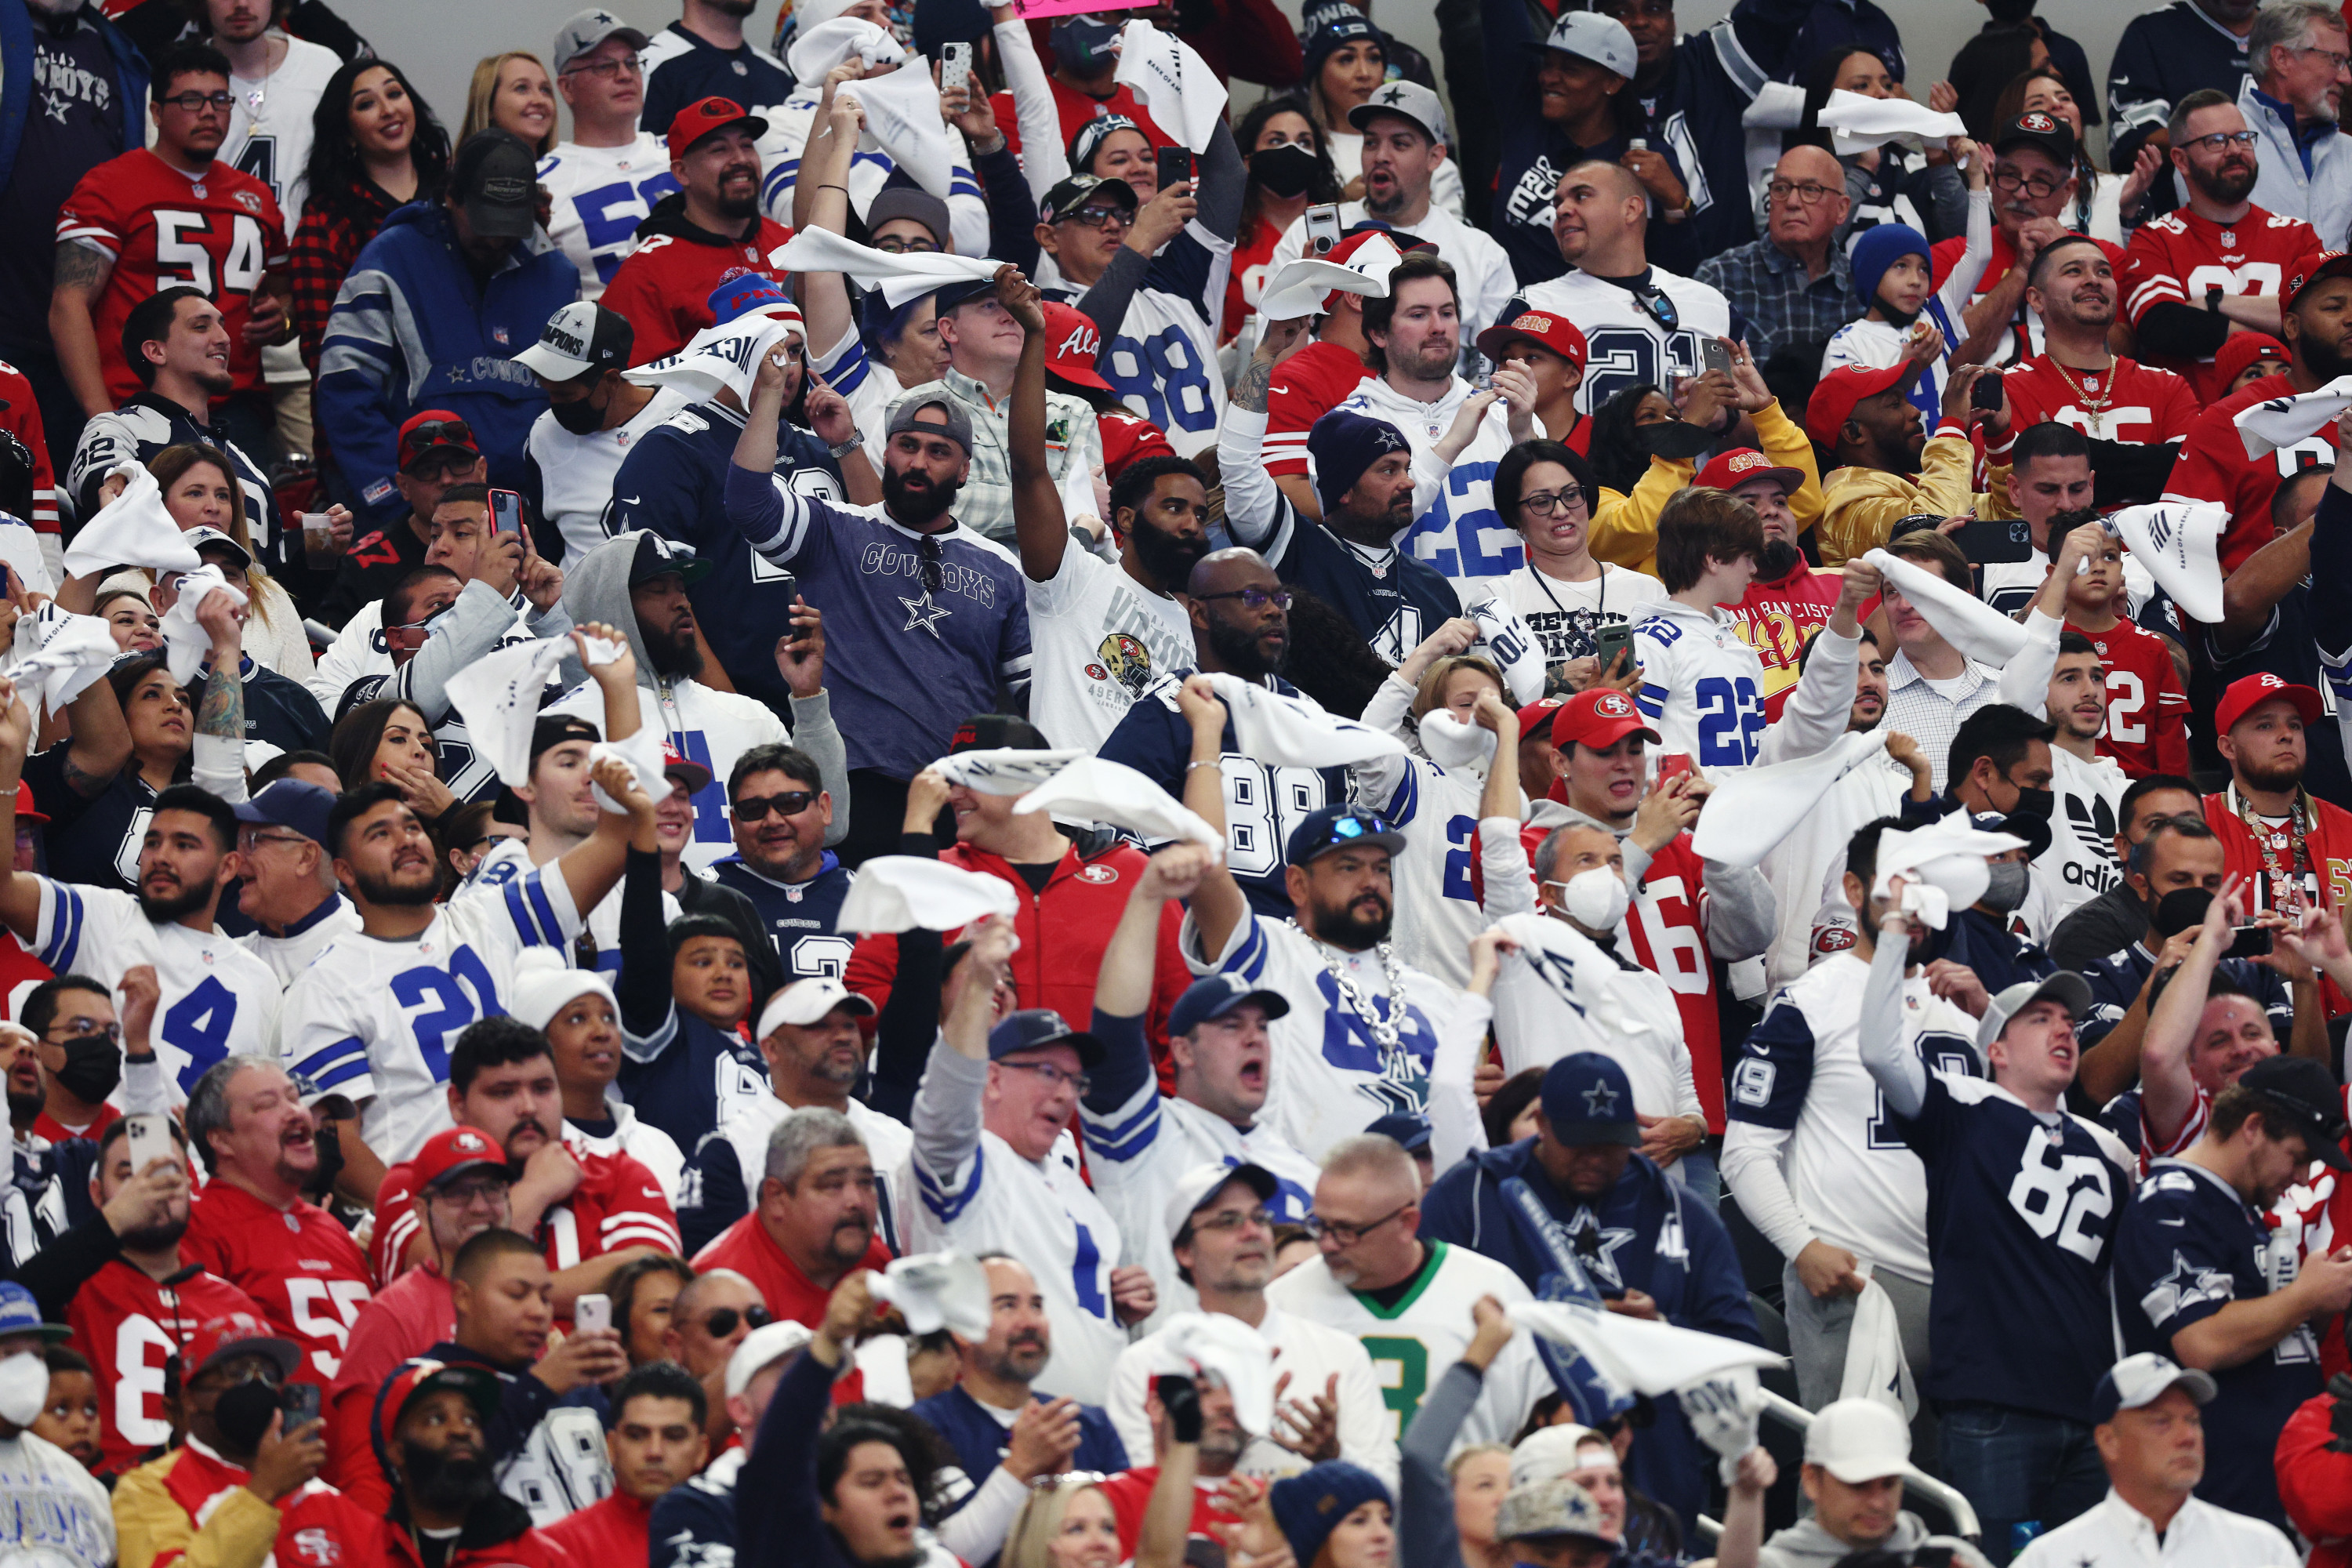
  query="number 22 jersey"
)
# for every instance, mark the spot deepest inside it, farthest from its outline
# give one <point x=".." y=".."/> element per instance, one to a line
<point x="1702" y="685"/>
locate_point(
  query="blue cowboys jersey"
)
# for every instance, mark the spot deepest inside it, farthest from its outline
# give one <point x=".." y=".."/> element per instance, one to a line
<point x="802" y="917"/>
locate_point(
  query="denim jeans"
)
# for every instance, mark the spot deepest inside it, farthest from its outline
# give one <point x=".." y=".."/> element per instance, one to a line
<point x="2017" y="1466"/>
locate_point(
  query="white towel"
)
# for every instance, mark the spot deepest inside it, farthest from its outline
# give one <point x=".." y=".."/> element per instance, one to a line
<point x="1184" y="96"/>
<point x="57" y="655"/>
<point x="498" y="697"/>
<point x="1777" y="106"/>
<point x="1944" y="862"/>
<point x="20" y="551"/>
<point x="1859" y="123"/>
<point x="1573" y="965"/>
<point x="1637" y="1355"/>
<point x="1286" y="733"/>
<point x="1505" y="638"/>
<point x="1299" y="288"/>
<point x="829" y="43"/>
<point x="1191" y="1343"/>
<point x="1875" y="1367"/>
<point x="2278" y="422"/>
<point x="901" y="277"/>
<point x="1453" y="743"/>
<point x="1096" y="789"/>
<point x="938" y="1290"/>
<point x="2179" y="543"/>
<point x="1964" y="621"/>
<point x="905" y="892"/>
<point x="902" y="119"/>
<point x="132" y="530"/>
<point x="724" y="356"/>
<point x="1004" y="770"/>
<point x="186" y="642"/>
<point x="645" y="753"/>
<point x="1752" y="809"/>
<point x="1724" y="1413"/>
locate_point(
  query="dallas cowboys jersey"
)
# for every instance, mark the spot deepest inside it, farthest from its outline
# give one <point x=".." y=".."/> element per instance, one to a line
<point x="2116" y="981"/>
<point x="1456" y="528"/>
<point x="1629" y="343"/>
<point x="217" y="999"/>
<point x="374" y="1019"/>
<point x="569" y="479"/>
<point x="1437" y="910"/>
<point x="1394" y="600"/>
<point x="1162" y="362"/>
<point x="802" y="917"/>
<point x="2034" y="1203"/>
<point x="511" y="857"/>
<point x="704" y="725"/>
<point x="597" y="197"/>
<point x="1801" y="1076"/>
<point x="1702" y="685"/>
<point x="2189" y="1247"/>
<point x="870" y="168"/>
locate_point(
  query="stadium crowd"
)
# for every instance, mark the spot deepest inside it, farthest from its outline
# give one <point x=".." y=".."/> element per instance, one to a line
<point x="1297" y="807"/>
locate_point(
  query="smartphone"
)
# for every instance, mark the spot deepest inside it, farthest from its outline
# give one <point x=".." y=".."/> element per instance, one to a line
<point x="955" y="66"/>
<point x="1986" y="393"/>
<point x="506" y="512"/>
<point x="1609" y="641"/>
<point x="1673" y="765"/>
<point x="299" y="1403"/>
<point x="1175" y="166"/>
<point x="1993" y="540"/>
<point x="2247" y="942"/>
<point x="1322" y="228"/>
<point x="1713" y="355"/>
<point x="150" y="1139"/>
<point x="591" y="1312"/>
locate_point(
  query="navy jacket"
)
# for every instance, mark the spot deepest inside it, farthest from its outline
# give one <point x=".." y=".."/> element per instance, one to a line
<point x="978" y="1438"/>
<point x="18" y="97"/>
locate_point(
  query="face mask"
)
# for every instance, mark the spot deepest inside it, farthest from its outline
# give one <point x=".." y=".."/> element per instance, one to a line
<point x="580" y="416"/>
<point x="23" y="1388"/>
<point x="2033" y="803"/>
<point x="1285" y="171"/>
<point x="1595" y="900"/>
<point x="2179" y="909"/>
<point x="92" y="1070"/>
<point x="243" y="1414"/>
<point x="2006" y="890"/>
<point x="435" y="624"/>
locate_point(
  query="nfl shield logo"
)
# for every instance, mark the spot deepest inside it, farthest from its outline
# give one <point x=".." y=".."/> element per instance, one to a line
<point x="498" y="335"/>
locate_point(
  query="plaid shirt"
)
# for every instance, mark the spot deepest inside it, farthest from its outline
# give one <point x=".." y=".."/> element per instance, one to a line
<point x="334" y="228"/>
<point x="1917" y="709"/>
<point x="985" y="503"/>
<point x="1783" y="306"/>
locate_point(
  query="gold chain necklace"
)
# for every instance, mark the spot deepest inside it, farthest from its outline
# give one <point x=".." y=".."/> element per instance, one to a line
<point x="2096" y="409"/>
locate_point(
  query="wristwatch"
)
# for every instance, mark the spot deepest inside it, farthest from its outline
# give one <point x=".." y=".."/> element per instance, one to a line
<point x="856" y="439"/>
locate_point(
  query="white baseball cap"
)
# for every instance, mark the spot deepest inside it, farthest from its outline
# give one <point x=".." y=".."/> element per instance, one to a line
<point x="2138" y="1381"/>
<point x="806" y="1002"/>
<point x="1204" y="1182"/>
<point x="1589" y="36"/>
<point x="1549" y="1452"/>
<point x="761" y="1348"/>
<point x="1858" y="1440"/>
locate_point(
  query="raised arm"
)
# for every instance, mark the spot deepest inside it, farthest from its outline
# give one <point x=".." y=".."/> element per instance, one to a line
<point x="773" y="519"/>
<point x="2167" y="1094"/>
<point x="1130" y="962"/>
<point x="1039" y="525"/>
<point x="20" y="896"/>
<point x="1175" y="1407"/>
<point x="1902" y="1076"/>
<point x="1218" y="903"/>
<point x="1256" y="513"/>
<point x="219" y="759"/>
<point x="800" y="659"/>
<point x="592" y="868"/>
<point x="820" y="200"/>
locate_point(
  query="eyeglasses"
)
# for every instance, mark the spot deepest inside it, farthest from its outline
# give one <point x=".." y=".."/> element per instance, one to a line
<point x="898" y="245"/>
<point x="278" y="839"/>
<point x="465" y="1195"/>
<point x="2221" y="139"/>
<point x="2335" y="58"/>
<point x="791" y="802"/>
<point x="1254" y="598"/>
<point x="1053" y="1075"/>
<point x="932" y="572"/>
<point x="722" y="1321"/>
<point x="197" y="103"/>
<point x="1653" y="299"/>
<point x="1098" y="217"/>
<point x="1554" y="503"/>
<point x="607" y="71"/>
<point x="1233" y="1219"/>
<point x="2036" y="184"/>
<point x="88" y="1029"/>
<point x="1348" y="1235"/>
<point x="1805" y="193"/>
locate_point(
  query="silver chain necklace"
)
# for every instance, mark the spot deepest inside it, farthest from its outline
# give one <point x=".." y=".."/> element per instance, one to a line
<point x="1383" y="1030"/>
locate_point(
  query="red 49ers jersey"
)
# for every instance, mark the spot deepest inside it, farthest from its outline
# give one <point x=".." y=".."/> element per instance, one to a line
<point x="301" y="1264"/>
<point x="617" y="1204"/>
<point x="1306" y="386"/>
<point x="1777" y="619"/>
<point x="2132" y="403"/>
<point x="2213" y="467"/>
<point x="21" y="417"/>
<point x="219" y="232"/>
<point x="2181" y="256"/>
<point x="128" y="1326"/>
<point x="2148" y="712"/>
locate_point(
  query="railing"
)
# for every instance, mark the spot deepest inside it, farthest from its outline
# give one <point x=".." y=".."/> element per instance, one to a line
<point x="1916" y="1482"/>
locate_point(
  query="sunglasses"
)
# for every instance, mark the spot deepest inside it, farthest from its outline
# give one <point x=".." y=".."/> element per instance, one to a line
<point x="791" y="802"/>
<point x="1661" y="309"/>
<point x="1255" y="598"/>
<point x="721" y="1322"/>
<point x="931" y="566"/>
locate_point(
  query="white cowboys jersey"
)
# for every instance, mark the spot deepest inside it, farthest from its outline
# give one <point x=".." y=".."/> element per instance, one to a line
<point x="216" y="1000"/>
<point x="376" y="1019"/>
<point x="704" y="725"/>
<point x="576" y="472"/>
<point x="511" y="857"/>
<point x="135" y="432"/>
<point x="598" y="196"/>
<point x="269" y="123"/>
<point x="1702" y="686"/>
<point x="1098" y="641"/>
<point x="1805" y="868"/>
<point x="1436" y="897"/>
<point x="1627" y="346"/>
<point x="1454" y="526"/>
<point x="1163" y="362"/>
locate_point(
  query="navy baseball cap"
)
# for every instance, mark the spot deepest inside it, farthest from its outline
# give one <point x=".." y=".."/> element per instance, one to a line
<point x="2307" y="1100"/>
<point x="1338" y="828"/>
<point x="290" y="803"/>
<point x="1408" y="1128"/>
<point x="2034" y="830"/>
<point x="1032" y="1028"/>
<point x="1214" y="997"/>
<point x="20" y="1314"/>
<point x="1588" y="1099"/>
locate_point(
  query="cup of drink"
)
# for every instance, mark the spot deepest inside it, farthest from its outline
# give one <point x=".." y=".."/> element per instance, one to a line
<point x="317" y="541"/>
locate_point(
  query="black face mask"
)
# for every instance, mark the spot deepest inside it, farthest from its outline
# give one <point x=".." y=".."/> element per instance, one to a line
<point x="1285" y="171"/>
<point x="2033" y="803"/>
<point x="243" y="1414"/>
<point x="92" y="1069"/>
<point x="2179" y="909"/>
<point x="581" y="416"/>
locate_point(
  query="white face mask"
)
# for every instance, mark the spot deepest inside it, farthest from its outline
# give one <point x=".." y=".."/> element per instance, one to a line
<point x="23" y="1387"/>
<point x="1596" y="899"/>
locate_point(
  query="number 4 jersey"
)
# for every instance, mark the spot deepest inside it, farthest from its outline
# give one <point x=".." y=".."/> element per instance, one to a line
<point x="218" y="231"/>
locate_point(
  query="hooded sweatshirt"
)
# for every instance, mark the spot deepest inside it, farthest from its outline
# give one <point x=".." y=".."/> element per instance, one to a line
<point x="1806" y="1544"/>
<point x="1864" y="504"/>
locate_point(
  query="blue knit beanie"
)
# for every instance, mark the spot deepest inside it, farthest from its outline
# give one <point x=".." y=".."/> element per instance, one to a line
<point x="1343" y="445"/>
<point x="1309" y="1506"/>
<point x="1880" y="248"/>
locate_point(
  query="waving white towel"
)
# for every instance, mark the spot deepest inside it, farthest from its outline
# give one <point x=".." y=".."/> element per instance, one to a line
<point x="901" y="277"/>
<point x="1752" y="809"/>
<point x="1176" y="84"/>
<point x="1004" y="770"/>
<point x="1096" y="789"/>
<point x="2179" y="543"/>
<point x="2278" y="422"/>
<point x="1191" y="1343"/>
<point x="1875" y="1367"/>
<point x="1288" y="732"/>
<point x="1505" y="638"/>
<point x="1639" y="1356"/>
<point x="1944" y="862"/>
<point x="132" y="530"/>
<point x="1573" y="965"/>
<point x="1858" y="124"/>
<point x="902" y="119"/>
<point x="497" y="696"/>
<point x="1451" y="742"/>
<point x="829" y="44"/>
<point x="1964" y="621"/>
<point x="184" y="642"/>
<point x="724" y="356"/>
<point x="1298" y="288"/>
<point x="938" y="1290"/>
<point x="904" y="892"/>
<point x="57" y="655"/>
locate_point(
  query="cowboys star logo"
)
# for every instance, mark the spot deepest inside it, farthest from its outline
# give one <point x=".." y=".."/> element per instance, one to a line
<point x="2184" y="1286"/>
<point x="1600" y="1101"/>
<point x="924" y="614"/>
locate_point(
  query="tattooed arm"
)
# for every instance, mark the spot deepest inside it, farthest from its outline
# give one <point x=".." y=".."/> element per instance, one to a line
<point x="81" y="276"/>
<point x="220" y="721"/>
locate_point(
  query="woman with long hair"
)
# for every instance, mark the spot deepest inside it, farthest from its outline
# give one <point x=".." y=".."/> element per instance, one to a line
<point x="374" y="145"/>
<point x="201" y="490"/>
<point x="1066" y="1521"/>
<point x="103" y="848"/>
<point x="1289" y="171"/>
<point x="1888" y="183"/>
<point x="2107" y="206"/>
<point x="390" y="740"/>
<point x="513" y="92"/>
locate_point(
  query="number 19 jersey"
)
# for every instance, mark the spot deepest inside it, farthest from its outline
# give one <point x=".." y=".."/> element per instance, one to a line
<point x="376" y="1019"/>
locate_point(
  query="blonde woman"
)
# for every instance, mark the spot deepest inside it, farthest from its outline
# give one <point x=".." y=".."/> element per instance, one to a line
<point x="513" y="92"/>
<point x="1067" y="1522"/>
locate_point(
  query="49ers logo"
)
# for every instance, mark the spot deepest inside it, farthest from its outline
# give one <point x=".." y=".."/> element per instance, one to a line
<point x="1098" y="873"/>
<point x="1613" y="705"/>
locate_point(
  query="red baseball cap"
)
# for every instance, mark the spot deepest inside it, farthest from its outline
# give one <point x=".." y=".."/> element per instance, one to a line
<point x="26" y="810"/>
<point x="2319" y="264"/>
<point x="236" y="1333"/>
<point x="2249" y="692"/>
<point x="2242" y="349"/>
<point x="1835" y="395"/>
<point x="1537" y="715"/>
<point x="676" y="765"/>
<point x="1557" y="333"/>
<point x="1602" y="716"/>
<point x="415" y="1378"/>
<point x="433" y="433"/>
<point x="1073" y="343"/>
<point x="1744" y="465"/>
<point x="455" y="1149"/>
<point x="699" y="119"/>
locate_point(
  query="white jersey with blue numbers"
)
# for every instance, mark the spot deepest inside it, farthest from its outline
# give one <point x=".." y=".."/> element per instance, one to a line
<point x="1702" y="686"/>
<point x="1645" y="334"/>
<point x="1454" y="527"/>
<point x="597" y="197"/>
<point x="1801" y="1088"/>
<point x="509" y="859"/>
<point x="376" y="1019"/>
<point x="217" y="998"/>
<point x="705" y="726"/>
<point x="1162" y="362"/>
<point x="1436" y="897"/>
<point x="269" y="124"/>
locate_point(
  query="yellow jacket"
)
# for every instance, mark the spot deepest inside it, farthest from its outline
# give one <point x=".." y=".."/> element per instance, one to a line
<point x="1626" y="528"/>
<point x="150" y="1525"/>
<point x="1864" y="504"/>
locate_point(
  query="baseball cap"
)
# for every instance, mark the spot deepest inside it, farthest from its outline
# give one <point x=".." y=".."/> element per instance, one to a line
<point x="705" y="116"/>
<point x="27" y="809"/>
<point x="1555" y="332"/>
<point x="1858" y="1440"/>
<point x="495" y="180"/>
<point x="2042" y="130"/>
<point x="455" y="1151"/>
<point x="2312" y="268"/>
<point x="1745" y="466"/>
<point x="2034" y="830"/>
<point x="1588" y="1099"/>
<point x="202" y="535"/>
<point x="233" y="1334"/>
<point x="1407" y="101"/>
<point x="1202" y="1182"/>
<point x="1214" y="997"/>
<point x="1589" y="36"/>
<point x="1835" y="395"/>
<point x="660" y="557"/>
<point x="555" y="729"/>
<point x="2251" y="692"/>
<point x="762" y="1348"/>
<point x="2065" y="987"/>
<point x="21" y="1314"/>
<point x="1549" y="1451"/>
<point x="1599" y="716"/>
<point x="582" y="337"/>
<point x="1033" y="1028"/>
<point x="585" y="32"/>
<point x="1068" y="195"/>
<point x="696" y="776"/>
<point x="2313" y="1102"/>
<point x="998" y="732"/>
<point x="2138" y="1381"/>
<point x="1536" y="718"/>
<point x="416" y="1379"/>
<point x="436" y="435"/>
<point x="911" y="201"/>
<point x="1073" y="343"/>
<point x="956" y="427"/>
<point x="290" y="803"/>
<point x="1409" y="1129"/>
<point x="811" y="1001"/>
<point x="1555" y="1507"/>
<point x="1333" y="827"/>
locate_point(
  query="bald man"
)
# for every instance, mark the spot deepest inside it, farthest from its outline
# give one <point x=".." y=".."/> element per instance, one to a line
<point x="1794" y="285"/>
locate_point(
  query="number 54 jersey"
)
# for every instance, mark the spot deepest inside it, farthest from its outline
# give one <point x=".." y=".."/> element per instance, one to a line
<point x="375" y="1020"/>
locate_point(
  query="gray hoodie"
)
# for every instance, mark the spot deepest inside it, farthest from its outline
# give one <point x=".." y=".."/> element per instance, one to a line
<point x="1805" y="1544"/>
<point x="481" y="622"/>
<point x="1741" y="916"/>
